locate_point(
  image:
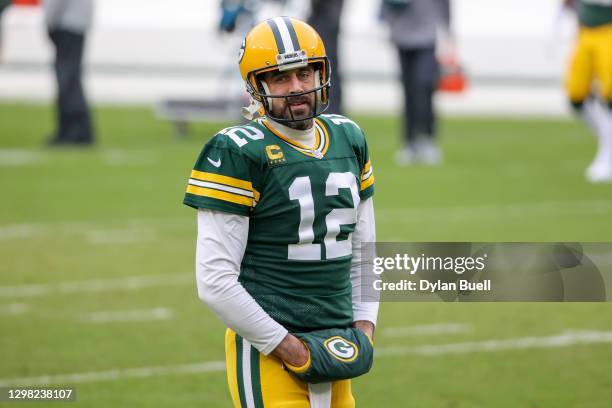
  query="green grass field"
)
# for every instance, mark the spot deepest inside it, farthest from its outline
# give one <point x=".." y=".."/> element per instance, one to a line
<point x="111" y="220"/>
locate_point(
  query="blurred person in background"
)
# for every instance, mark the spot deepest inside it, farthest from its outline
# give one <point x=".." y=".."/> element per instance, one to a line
<point x="67" y="23"/>
<point x="325" y="19"/>
<point x="414" y="26"/>
<point x="3" y="5"/>
<point x="589" y="79"/>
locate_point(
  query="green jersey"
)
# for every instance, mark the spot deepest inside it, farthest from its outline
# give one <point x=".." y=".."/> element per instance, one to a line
<point x="302" y="204"/>
<point x="595" y="13"/>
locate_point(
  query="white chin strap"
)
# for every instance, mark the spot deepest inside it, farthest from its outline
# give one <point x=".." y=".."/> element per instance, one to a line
<point x="250" y="112"/>
<point x="318" y="84"/>
<point x="267" y="91"/>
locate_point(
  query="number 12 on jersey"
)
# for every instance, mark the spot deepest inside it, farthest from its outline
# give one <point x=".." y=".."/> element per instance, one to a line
<point x="306" y="249"/>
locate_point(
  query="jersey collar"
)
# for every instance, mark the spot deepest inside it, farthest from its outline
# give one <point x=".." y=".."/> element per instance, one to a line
<point x="321" y="143"/>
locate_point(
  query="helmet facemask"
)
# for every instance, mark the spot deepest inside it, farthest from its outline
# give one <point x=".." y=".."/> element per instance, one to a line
<point x="260" y="92"/>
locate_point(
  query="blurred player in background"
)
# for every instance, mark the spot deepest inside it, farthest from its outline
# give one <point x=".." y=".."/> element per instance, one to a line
<point x="325" y="17"/>
<point x="3" y="6"/>
<point x="589" y="79"/>
<point x="68" y="22"/>
<point x="284" y="203"/>
<point x="414" y="26"/>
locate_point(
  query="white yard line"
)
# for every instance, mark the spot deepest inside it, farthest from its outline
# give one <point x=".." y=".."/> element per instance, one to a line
<point x="19" y="157"/>
<point x="111" y="157"/>
<point x="95" y="285"/>
<point x="120" y="236"/>
<point x="425" y="330"/>
<point x="565" y="339"/>
<point x="120" y="157"/>
<point x="116" y="374"/>
<point x="120" y="316"/>
<point x="13" y="309"/>
<point x="93" y="233"/>
<point x="519" y="210"/>
<point x="20" y="231"/>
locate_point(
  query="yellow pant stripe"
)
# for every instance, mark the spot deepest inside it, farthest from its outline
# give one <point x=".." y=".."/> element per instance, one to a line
<point x="231" y="367"/>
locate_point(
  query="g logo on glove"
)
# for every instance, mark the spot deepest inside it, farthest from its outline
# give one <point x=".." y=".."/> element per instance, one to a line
<point x="335" y="354"/>
<point x="342" y="349"/>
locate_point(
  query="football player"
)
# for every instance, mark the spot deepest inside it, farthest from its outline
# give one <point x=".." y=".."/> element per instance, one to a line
<point x="284" y="204"/>
<point x="589" y="79"/>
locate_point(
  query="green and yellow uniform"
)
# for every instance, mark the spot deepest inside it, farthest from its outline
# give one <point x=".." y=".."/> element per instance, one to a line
<point x="591" y="62"/>
<point x="302" y="204"/>
<point x="302" y="207"/>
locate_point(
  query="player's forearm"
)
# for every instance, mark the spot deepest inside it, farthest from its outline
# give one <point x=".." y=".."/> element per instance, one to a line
<point x="239" y="311"/>
<point x="364" y="299"/>
<point x="291" y="350"/>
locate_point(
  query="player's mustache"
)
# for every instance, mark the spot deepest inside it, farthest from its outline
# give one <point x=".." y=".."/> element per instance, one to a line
<point x="297" y="99"/>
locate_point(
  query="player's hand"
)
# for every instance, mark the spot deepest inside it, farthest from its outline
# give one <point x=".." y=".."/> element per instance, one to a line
<point x="291" y="350"/>
<point x="334" y="354"/>
<point x="366" y="327"/>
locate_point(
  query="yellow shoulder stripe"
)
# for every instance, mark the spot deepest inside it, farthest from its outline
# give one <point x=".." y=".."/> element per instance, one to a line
<point x="367" y="183"/>
<point x="221" y="195"/>
<point x="227" y="180"/>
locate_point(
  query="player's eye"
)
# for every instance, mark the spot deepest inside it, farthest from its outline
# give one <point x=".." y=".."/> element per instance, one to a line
<point x="306" y="74"/>
<point x="280" y="78"/>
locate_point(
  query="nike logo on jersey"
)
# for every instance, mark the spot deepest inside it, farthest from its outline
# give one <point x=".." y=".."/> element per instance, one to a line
<point x="215" y="163"/>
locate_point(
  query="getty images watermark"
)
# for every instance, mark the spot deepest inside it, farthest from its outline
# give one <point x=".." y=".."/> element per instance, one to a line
<point x="553" y="272"/>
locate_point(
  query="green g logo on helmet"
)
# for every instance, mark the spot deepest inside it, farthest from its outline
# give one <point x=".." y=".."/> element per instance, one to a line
<point x="341" y="349"/>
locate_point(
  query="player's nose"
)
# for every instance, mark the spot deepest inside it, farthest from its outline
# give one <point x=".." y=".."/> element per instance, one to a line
<point x="296" y="85"/>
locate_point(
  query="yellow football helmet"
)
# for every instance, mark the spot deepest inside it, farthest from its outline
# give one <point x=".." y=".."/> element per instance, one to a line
<point x="283" y="43"/>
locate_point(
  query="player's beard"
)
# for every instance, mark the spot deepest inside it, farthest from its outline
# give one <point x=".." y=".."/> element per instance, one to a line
<point x="303" y="111"/>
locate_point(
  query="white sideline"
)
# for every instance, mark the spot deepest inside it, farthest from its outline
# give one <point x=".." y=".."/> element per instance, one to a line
<point x="95" y="285"/>
<point x="135" y="315"/>
<point x="425" y="329"/>
<point x="565" y="339"/>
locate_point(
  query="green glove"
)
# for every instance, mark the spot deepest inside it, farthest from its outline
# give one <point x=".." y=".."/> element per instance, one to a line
<point x="334" y="354"/>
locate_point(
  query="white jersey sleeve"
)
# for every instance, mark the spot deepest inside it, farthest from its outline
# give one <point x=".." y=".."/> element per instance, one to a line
<point x="365" y="231"/>
<point x="221" y="242"/>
